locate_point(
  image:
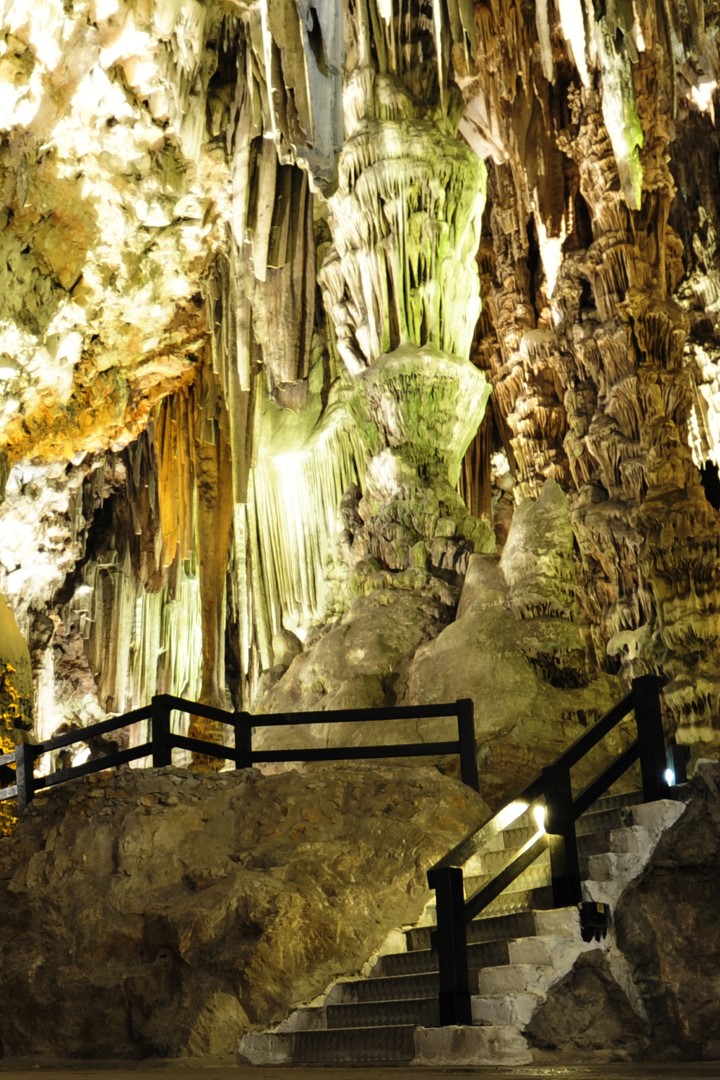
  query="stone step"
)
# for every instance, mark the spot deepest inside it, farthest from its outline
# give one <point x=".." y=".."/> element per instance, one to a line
<point x="462" y="1047"/>
<point x="355" y="1046"/>
<point x="384" y="988"/>
<point x="335" y="1046"/>
<point x="535" y="878"/>
<point x="492" y="862"/>
<point x="510" y="903"/>
<point x="422" y="1012"/>
<point x="516" y="1008"/>
<point x="489" y="928"/>
<point x="439" y="1047"/>
<point x="536" y="875"/>
<point x="602" y="821"/>
<point x="610" y="812"/>
<point x="610" y="802"/>
<point x="514" y="979"/>
<point x="480" y="954"/>
<point x="411" y="986"/>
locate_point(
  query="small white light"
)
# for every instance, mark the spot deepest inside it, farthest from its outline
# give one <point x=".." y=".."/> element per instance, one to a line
<point x="539" y="815"/>
<point x="669" y="777"/>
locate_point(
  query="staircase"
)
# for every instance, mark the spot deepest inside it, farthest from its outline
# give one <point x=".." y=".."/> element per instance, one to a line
<point x="517" y="949"/>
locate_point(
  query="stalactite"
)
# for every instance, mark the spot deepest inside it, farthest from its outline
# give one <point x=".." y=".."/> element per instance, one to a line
<point x="214" y="511"/>
<point x="286" y="536"/>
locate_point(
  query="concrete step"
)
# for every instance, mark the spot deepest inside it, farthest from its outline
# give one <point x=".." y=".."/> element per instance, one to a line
<point x="409" y="987"/>
<point x="602" y="821"/>
<point x="406" y="963"/>
<point x="492" y="862"/>
<point x="525" y="892"/>
<point x="462" y="1047"/>
<point x="516" y="1008"/>
<point x="490" y="928"/>
<point x="610" y="802"/>
<point x="422" y="1012"/>
<point x="337" y="1046"/>
<point x="514" y="979"/>
<point x="536" y="875"/>
<point x="510" y="903"/>
<point x="439" y="1047"/>
<point x="384" y="988"/>
<point x="356" y="1046"/>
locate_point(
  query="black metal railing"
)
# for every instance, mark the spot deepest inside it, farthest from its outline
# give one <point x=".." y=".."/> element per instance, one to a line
<point x="552" y="793"/>
<point x="242" y="753"/>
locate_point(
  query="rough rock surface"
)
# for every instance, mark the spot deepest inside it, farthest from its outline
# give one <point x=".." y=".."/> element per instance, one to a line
<point x="668" y="928"/>
<point x="651" y="990"/>
<point x="513" y="647"/>
<point x="587" y="1011"/>
<point x="166" y="913"/>
<point x="356" y="663"/>
<point x="531" y="690"/>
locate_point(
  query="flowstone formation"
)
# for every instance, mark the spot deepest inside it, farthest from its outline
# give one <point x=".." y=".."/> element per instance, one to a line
<point x="286" y="287"/>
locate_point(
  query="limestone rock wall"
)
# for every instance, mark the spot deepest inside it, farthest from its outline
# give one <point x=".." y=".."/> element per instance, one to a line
<point x="162" y="913"/>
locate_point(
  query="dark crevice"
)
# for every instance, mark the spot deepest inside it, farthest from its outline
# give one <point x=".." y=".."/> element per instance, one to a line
<point x="710" y="480"/>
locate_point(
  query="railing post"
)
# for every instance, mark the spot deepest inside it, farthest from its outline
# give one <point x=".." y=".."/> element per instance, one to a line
<point x="651" y="737"/>
<point x="24" y="775"/>
<point x="562" y="839"/>
<point x="243" y="740"/>
<point x="678" y="761"/>
<point x="161" y="747"/>
<point x="466" y="739"/>
<point x="451" y="945"/>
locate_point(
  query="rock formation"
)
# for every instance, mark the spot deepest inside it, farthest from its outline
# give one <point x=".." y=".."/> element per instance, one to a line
<point x="651" y="995"/>
<point x="166" y="913"/>
<point x="262" y="264"/>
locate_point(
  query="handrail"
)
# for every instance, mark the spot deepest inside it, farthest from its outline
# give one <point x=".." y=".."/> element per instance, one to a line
<point x="163" y="741"/>
<point x="471" y="843"/>
<point x="103" y="727"/>
<point x="561" y="811"/>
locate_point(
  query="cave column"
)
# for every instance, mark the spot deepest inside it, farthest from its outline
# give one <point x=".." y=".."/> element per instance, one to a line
<point x="401" y="290"/>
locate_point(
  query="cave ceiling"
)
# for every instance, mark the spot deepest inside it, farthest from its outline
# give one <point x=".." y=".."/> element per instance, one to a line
<point x="266" y="268"/>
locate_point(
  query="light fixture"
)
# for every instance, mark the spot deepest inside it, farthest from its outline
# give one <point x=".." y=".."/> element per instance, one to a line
<point x="669" y="777"/>
<point x="510" y="813"/>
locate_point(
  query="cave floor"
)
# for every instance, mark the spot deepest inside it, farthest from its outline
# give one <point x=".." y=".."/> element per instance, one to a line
<point x="175" y="1070"/>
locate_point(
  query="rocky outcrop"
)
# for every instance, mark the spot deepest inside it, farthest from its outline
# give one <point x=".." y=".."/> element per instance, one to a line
<point x="16" y="700"/>
<point x="157" y="912"/>
<point x="668" y="929"/>
<point x="649" y="991"/>
<point x="588" y="1012"/>
<point x="511" y="645"/>
<point x="272" y="328"/>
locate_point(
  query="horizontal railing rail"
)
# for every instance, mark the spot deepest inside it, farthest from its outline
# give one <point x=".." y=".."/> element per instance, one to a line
<point x="241" y="753"/>
<point x="551" y="793"/>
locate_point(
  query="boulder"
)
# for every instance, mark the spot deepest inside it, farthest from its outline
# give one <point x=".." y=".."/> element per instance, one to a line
<point x="528" y="678"/>
<point x="159" y="912"/>
<point x="588" y="1012"/>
